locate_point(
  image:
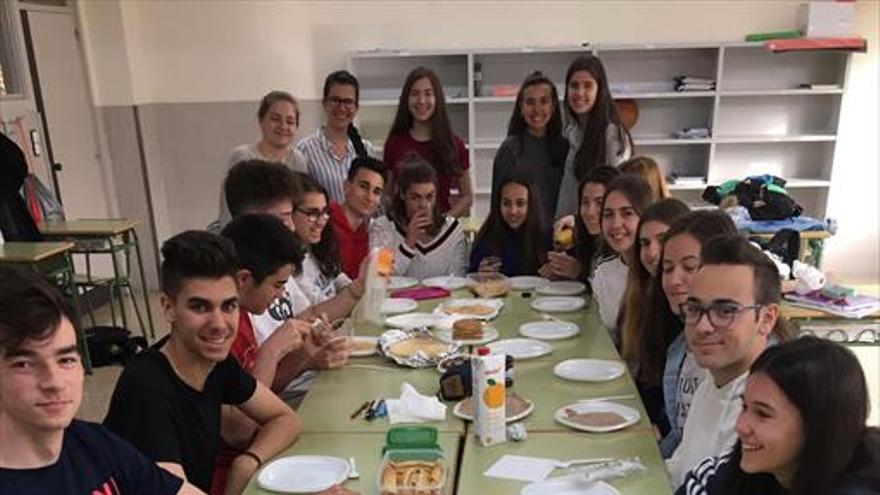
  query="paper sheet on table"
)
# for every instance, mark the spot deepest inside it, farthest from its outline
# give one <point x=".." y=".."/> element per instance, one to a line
<point x="413" y="407"/>
<point x="521" y="468"/>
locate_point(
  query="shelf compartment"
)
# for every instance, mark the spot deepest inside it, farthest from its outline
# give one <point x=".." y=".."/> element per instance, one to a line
<point x="754" y="68"/>
<point x="510" y="69"/>
<point x="789" y="160"/>
<point x="682" y="160"/>
<point x="795" y="115"/>
<point x="661" y="118"/>
<point x="382" y="78"/>
<point x="652" y="72"/>
<point x="393" y="102"/>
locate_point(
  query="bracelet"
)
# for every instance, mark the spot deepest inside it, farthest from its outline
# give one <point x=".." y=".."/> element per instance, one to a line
<point x="248" y="453"/>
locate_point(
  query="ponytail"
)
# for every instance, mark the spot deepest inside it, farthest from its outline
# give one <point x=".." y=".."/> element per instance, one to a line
<point x="355" y="137"/>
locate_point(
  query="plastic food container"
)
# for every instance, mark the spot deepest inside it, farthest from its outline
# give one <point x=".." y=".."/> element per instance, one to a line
<point x="413" y="463"/>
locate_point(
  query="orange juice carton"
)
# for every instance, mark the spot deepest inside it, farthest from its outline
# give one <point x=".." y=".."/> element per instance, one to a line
<point x="488" y="389"/>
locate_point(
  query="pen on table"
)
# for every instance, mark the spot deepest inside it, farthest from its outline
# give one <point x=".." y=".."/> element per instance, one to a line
<point x="359" y="410"/>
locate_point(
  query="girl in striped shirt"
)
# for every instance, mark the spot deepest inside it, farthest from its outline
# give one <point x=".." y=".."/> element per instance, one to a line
<point x="330" y="151"/>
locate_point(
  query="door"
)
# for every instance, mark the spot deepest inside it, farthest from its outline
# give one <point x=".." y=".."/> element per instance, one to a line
<point x="63" y="98"/>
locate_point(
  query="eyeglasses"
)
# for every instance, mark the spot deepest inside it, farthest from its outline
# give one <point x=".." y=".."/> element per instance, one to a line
<point x="341" y="102"/>
<point x="721" y="314"/>
<point x="314" y="214"/>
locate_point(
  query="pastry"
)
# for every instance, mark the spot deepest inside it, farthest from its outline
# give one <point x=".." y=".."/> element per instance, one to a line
<point x="407" y="348"/>
<point x="467" y="329"/>
<point x="491" y="288"/>
<point x="412" y="478"/>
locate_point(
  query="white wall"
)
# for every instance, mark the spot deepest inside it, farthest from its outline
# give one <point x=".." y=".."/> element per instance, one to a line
<point x="227" y="51"/>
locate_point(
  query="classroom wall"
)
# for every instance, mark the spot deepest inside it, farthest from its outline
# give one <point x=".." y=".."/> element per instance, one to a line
<point x="194" y="71"/>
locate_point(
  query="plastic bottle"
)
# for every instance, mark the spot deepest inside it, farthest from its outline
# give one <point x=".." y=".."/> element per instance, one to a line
<point x="379" y="268"/>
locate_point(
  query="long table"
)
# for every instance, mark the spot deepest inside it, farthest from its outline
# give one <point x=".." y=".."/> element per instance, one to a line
<point x="336" y="394"/>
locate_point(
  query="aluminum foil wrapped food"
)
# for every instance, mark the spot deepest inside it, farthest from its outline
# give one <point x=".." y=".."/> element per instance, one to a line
<point x="416" y="348"/>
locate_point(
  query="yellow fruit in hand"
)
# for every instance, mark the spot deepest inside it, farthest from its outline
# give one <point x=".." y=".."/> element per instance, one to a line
<point x="565" y="238"/>
<point x="493" y="395"/>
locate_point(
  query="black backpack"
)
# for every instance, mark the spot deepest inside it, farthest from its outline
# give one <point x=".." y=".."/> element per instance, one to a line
<point x="113" y="345"/>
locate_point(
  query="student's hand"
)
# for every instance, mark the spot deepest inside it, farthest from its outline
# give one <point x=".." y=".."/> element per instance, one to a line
<point x="545" y="270"/>
<point x="334" y="355"/>
<point x="563" y="265"/>
<point x="286" y="338"/>
<point x="417" y="227"/>
<point x="240" y="471"/>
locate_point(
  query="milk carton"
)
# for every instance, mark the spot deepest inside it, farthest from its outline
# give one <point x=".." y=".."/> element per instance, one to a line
<point x="488" y="388"/>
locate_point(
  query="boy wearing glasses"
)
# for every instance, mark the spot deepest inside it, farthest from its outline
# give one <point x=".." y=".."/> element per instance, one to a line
<point x="350" y="220"/>
<point x="258" y="187"/>
<point x="731" y="311"/>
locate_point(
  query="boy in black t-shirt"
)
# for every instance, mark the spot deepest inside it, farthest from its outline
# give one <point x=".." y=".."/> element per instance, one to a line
<point x="42" y="448"/>
<point x="167" y="401"/>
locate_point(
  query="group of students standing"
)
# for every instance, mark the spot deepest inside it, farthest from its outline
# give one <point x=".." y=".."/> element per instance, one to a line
<point x="693" y="308"/>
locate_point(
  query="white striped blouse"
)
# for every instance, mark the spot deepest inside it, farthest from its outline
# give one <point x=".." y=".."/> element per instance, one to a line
<point x="324" y="166"/>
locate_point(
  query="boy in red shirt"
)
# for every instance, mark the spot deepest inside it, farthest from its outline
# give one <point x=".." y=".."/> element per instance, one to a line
<point x="363" y="190"/>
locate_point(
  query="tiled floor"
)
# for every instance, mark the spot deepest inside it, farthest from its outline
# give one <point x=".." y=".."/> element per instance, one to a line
<point x="99" y="386"/>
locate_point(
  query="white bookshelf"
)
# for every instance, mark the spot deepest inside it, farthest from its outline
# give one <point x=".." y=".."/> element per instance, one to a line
<point x="761" y="120"/>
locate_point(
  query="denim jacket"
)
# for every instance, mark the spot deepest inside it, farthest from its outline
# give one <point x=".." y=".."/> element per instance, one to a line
<point x="675" y="355"/>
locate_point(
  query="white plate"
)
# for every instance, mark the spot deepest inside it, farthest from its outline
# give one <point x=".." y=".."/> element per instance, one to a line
<point x="521" y="348"/>
<point x="448" y="282"/>
<point x="527" y="282"/>
<point x="630" y="416"/>
<point x="303" y="473"/>
<point x="495" y="304"/>
<point x="589" y="370"/>
<point x="549" y="330"/>
<point x="572" y="484"/>
<point x="394" y="305"/>
<point x="489" y="334"/>
<point x="402" y="282"/>
<point x="562" y="288"/>
<point x="558" y="304"/>
<point x="371" y="340"/>
<point x="408" y="321"/>
<point x="516" y="417"/>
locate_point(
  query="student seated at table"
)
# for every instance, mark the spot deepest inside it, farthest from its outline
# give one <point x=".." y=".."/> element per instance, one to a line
<point x="802" y="429"/>
<point x="259" y="187"/>
<point x="363" y="189"/>
<point x="578" y="261"/>
<point x="648" y="169"/>
<point x="268" y="254"/>
<point x="168" y="399"/>
<point x="730" y="313"/>
<point x="43" y="449"/>
<point x="426" y="242"/>
<point x="278" y="116"/>
<point x="679" y="261"/>
<point x="321" y="277"/>
<point x="624" y="202"/>
<point x="641" y="346"/>
<point x="514" y="232"/>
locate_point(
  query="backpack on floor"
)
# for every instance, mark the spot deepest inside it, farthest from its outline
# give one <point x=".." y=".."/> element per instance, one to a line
<point x="113" y="345"/>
